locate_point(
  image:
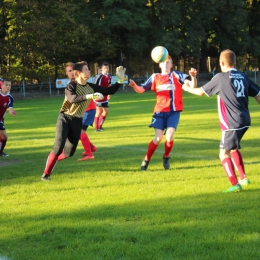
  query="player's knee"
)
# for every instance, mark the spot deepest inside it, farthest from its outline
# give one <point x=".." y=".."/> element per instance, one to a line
<point x="158" y="139"/>
<point x="224" y="154"/>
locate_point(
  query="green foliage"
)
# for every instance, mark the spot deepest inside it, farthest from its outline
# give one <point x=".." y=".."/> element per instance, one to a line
<point x="37" y="34"/>
<point x="107" y="208"/>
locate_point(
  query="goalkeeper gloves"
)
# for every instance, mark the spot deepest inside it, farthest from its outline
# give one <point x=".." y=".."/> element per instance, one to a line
<point x="120" y="74"/>
<point x="95" y="96"/>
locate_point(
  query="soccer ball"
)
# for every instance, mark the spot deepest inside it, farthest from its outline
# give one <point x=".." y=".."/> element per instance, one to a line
<point x="159" y="54"/>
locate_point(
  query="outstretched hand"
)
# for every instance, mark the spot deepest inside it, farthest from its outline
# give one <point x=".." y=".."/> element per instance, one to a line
<point x="131" y="83"/>
<point x="98" y="96"/>
<point x="193" y="72"/>
<point x="120" y="73"/>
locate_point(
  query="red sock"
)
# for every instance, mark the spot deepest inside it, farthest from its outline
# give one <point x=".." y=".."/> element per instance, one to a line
<point x="168" y="148"/>
<point x="101" y="120"/>
<point x="229" y="170"/>
<point x="151" y="149"/>
<point x="2" y="145"/>
<point x="50" y="164"/>
<point x="91" y="145"/>
<point x="96" y="123"/>
<point x="86" y="143"/>
<point x="239" y="164"/>
<point x="62" y="156"/>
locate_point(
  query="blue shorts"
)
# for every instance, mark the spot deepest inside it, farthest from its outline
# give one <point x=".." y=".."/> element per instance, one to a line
<point x="163" y="120"/>
<point x="88" y="118"/>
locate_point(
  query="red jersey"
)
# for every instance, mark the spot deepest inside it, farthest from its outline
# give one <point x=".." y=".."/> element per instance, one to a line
<point x="6" y="101"/>
<point x="91" y="106"/>
<point x="168" y="90"/>
<point x="103" y="81"/>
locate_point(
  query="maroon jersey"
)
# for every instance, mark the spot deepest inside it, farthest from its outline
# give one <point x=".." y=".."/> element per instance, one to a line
<point x="104" y="81"/>
<point x="6" y="101"/>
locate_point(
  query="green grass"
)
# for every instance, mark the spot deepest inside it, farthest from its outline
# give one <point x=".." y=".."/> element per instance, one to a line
<point x="108" y="208"/>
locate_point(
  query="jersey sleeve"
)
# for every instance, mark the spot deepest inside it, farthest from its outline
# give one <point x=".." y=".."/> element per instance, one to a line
<point x="71" y="94"/>
<point x="181" y="76"/>
<point x="147" y="85"/>
<point x="212" y="87"/>
<point x="105" y="91"/>
<point x="97" y="79"/>
<point x="254" y="89"/>
<point x="11" y="102"/>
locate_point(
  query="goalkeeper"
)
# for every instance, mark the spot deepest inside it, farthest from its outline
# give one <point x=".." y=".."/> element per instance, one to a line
<point x="77" y="97"/>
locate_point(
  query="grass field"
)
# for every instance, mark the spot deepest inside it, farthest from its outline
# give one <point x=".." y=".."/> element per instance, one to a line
<point x="108" y="208"/>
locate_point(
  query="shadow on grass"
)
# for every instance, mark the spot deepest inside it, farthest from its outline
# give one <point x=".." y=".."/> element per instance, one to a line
<point x="185" y="227"/>
<point x="122" y="158"/>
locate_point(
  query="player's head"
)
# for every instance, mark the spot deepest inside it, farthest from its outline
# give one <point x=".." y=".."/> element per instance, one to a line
<point x="81" y="70"/>
<point x="227" y="60"/>
<point x="167" y="65"/>
<point x="6" y="85"/>
<point x="99" y="70"/>
<point x="105" y="68"/>
<point x="69" y="70"/>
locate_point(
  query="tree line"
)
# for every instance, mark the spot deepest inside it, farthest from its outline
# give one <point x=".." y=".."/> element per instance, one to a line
<point x="37" y="37"/>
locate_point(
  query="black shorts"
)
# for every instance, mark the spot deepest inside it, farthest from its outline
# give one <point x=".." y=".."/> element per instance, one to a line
<point x="102" y="104"/>
<point x="68" y="131"/>
<point x="2" y="126"/>
<point x="230" y="140"/>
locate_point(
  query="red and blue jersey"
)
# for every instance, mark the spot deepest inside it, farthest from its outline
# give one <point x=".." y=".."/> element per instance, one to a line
<point x="6" y="101"/>
<point x="91" y="106"/>
<point x="168" y="90"/>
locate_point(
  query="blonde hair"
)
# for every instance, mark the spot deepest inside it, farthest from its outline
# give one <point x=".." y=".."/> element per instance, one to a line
<point x="69" y="64"/>
<point x="228" y="57"/>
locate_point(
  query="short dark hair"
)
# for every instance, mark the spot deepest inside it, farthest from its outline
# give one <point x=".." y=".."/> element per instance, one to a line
<point x="79" y="65"/>
<point x="5" y="79"/>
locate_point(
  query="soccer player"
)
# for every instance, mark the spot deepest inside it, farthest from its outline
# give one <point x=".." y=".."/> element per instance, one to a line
<point x="69" y="122"/>
<point x="6" y="102"/>
<point x="69" y="71"/>
<point x="102" y="106"/>
<point x="88" y="119"/>
<point x="233" y="89"/>
<point x="167" y="87"/>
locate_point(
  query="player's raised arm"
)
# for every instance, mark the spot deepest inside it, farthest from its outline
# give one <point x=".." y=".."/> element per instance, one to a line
<point x="193" y="82"/>
<point x="137" y="88"/>
<point x="195" y="91"/>
<point x="120" y="73"/>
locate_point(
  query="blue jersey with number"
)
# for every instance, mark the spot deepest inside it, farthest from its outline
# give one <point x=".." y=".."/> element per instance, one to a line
<point x="233" y="89"/>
